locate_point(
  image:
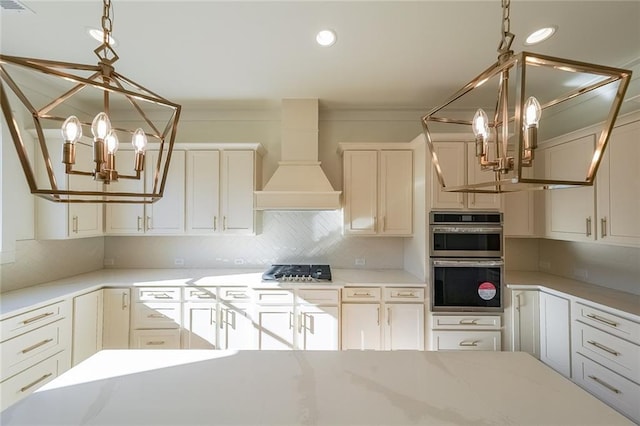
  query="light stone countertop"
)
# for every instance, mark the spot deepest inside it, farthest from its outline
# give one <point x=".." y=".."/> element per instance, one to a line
<point x="18" y="301"/>
<point x="625" y="303"/>
<point x="198" y="387"/>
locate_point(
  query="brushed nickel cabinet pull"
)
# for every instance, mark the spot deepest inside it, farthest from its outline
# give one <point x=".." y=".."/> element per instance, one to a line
<point x="149" y="225"/>
<point x="139" y="223"/>
<point x="74" y="222"/>
<point x="155" y="343"/>
<point x="224" y="223"/>
<point x="155" y="316"/>
<point x="215" y="223"/>
<point x="32" y="384"/>
<point x="468" y="322"/>
<point x="518" y="302"/>
<point x="603" y="227"/>
<point x="589" y="226"/>
<point x="125" y="300"/>
<point x="389" y="316"/>
<point x="467" y="343"/>
<point x="362" y="294"/>
<point x="603" y="347"/>
<point x="36" y="346"/>
<point x="39" y="317"/>
<point x="605" y="384"/>
<point x="603" y="320"/>
<point x="405" y="294"/>
<point x="378" y="308"/>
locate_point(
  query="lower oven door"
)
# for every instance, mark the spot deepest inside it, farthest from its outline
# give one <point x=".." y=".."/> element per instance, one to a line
<point x="466" y="285"/>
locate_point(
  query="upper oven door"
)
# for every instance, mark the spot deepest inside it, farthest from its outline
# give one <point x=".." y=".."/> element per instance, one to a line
<point x="465" y="241"/>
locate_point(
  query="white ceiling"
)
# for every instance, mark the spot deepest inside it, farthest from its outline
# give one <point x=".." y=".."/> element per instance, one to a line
<point x="394" y="54"/>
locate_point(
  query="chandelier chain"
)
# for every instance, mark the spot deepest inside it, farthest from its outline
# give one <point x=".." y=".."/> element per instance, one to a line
<point x="504" y="48"/>
<point x="107" y="22"/>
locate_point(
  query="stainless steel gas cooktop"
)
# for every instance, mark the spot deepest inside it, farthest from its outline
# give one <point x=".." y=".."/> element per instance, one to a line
<point x="298" y="273"/>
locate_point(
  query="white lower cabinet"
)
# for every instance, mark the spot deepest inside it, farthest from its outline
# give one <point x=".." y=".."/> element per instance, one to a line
<point x="236" y="330"/>
<point x="391" y="319"/>
<point x="35" y="347"/>
<point x="116" y="318"/>
<point x="155" y="339"/>
<point x="526" y="321"/>
<point x="200" y="325"/>
<point x="317" y="328"/>
<point x="456" y="332"/>
<point x="555" y="346"/>
<point x="156" y="318"/>
<point x="87" y="325"/>
<point x="275" y="327"/>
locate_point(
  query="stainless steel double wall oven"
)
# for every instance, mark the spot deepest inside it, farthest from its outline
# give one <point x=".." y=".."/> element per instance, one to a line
<point x="466" y="261"/>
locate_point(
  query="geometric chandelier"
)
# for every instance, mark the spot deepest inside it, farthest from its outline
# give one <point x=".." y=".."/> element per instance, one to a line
<point x="93" y="110"/>
<point x="520" y="105"/>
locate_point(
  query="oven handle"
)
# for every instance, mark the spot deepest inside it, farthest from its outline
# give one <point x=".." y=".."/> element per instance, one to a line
<point x="466" y="230"/>
<point x="467" y="263"/>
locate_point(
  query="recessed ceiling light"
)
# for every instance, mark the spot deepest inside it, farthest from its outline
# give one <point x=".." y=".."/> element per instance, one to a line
<point x="99" y="36"/>
<point x="326" y="38"/>
<point x="540" y="35"/>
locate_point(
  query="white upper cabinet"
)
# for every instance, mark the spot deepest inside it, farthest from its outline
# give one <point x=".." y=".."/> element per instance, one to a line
<point x="618" y="188"/>
<point x="68" y="220"/>
<point x="459" y="166"/>
<point x="378" y="190"/>
<point x="220" y="186"/>
<point x="165" y="216"/>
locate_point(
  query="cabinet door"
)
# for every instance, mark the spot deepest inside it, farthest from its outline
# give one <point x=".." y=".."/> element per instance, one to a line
<point x="117" y="307"/>
<point x="519" y="214"/>
<point x="451" y="158"/>
<point x="85" y="219"/>
<point x="236" y="327"/>
<point x="404" y="326"/>
<point x="237" y="179"/>
<point x="526" y="321"/>
<point x="318" y="328"/>
<point x="361" y="326"/>
<point x="554" y="333"/>
<point x="396" y="193"/>
<point x="200" y="326"/>
<point x="125" y="219"/>
<point x="360" y="192"/>
<point x="618" y="187"/>
<point x="476" y="175"/>
<point x="275" y="327"/>
<point x="203" y="192"/>
<point x="166" y="216"/>
<point x="87" y="326"/>
<point x="570" y="212"/>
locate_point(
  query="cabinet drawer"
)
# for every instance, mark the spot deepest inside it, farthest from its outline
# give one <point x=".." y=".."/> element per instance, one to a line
<point x="318" y="297"/>
<point x="611" y="388"/>
<point x="156" y="315"/>
<point x="240" y="294"/>
<point x="31" y="320"/>
<point x="273" y="296"/>
<point x="21" y="385"/>
<point x="30" y="348"/>
<point x="164" y="294"/>
<point x="466" y="341"/>
<point x="401" y="294"/>
<point x="612" y="352"/>
<point x="608" y="322"/>
<point x="155" y="339"/>
<point x="200" y="293"/>
<point x="475" y="322"/>
<point x="361" y="294"/>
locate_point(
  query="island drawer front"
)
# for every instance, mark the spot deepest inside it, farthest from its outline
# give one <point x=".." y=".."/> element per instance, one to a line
<point x="155" y="339"/>
<point x="611" y="388"/>
<point x="156" y="315"/>
<point x="404" y="294"/>
<point x="318" y="297"/>
<point x="608" y="322"/>
<point x="31" y="320"/>
<point x="466" y="341"/>
<point x="274" y="296"/>
<point x="239" y="294"/>
<point x="194" y="294"/>
<point x="466" y="322"/>
<point x="28" y="349"/>
<point x="361" y="294"/>
<point x="614" y="353"/>
<point x="25" y="383"/>
<point x="159" y="294"/>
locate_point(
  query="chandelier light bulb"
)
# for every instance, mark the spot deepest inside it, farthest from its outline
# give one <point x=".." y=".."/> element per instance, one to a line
<point x="112" y="142"/>
<point x="101" y="126"/>
<point x="481" y="124"/>
<point x="71" y="129"/>
<point x="139" y="140"/>
<point x="532" y="112"/>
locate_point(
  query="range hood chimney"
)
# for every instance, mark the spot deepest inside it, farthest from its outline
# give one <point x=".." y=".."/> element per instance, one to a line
<point x="298" y="183"/>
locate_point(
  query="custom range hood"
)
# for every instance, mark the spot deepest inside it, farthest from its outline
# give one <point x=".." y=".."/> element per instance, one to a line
<point x="298" y="183"/>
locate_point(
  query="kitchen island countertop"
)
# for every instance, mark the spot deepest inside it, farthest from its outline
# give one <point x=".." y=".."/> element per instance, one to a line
<point x="310" y="388"/>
